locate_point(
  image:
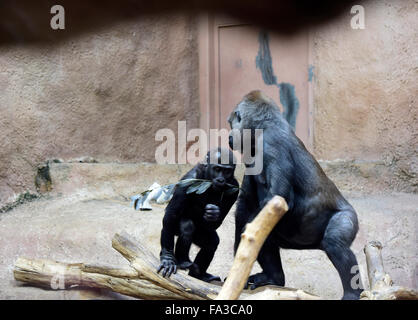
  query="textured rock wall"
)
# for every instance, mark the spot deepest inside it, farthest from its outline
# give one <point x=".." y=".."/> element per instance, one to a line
<point x="103" y="95"/>
<point x="365" y="89"/>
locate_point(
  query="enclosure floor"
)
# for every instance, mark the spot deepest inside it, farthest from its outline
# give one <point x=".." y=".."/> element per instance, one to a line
<point x="74" y="229"/>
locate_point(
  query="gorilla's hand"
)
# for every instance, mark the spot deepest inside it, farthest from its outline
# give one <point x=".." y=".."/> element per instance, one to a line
<point x="168" y="263"/>
<point x="212" y="213"/>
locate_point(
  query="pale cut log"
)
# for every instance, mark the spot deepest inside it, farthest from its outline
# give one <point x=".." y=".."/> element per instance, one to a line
<point x="377" y="276"/>
<point x="251" y="242"/>
<point x="60" y="276"/>
<point x="390" y="293"/>
<point x="143" y="261"/>
<point x="57" y="275"/>
<point x="282" y="294"/>
<point x="381" y="284"/>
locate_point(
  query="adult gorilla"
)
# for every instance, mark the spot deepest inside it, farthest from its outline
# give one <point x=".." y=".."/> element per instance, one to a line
<point x="318" y="218"/>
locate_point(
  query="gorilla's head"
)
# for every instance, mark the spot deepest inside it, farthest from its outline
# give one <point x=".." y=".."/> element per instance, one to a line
<point x="219" y="166"/>
<point x="255" y="111"/>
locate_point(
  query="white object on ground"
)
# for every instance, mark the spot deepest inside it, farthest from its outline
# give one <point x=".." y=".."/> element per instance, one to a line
<point x="159" y="194"/>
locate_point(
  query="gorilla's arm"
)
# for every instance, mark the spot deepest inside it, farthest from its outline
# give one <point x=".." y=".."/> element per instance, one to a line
<point x="226" y="204"/>
<point x="171" y="219"/>
<point x="171" y="222"/>
<point x="278" y="175"/>
<point x="174" y="210"/>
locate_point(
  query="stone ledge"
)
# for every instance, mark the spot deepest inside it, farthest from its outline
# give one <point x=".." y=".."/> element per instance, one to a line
<point x="96" y="179"/>
<point x="130" y="178"/>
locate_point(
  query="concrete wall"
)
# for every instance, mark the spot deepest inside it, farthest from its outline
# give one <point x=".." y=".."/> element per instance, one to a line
<point x="106" y="93"/>
<point x="102" y="95"/>
<point x="365" y="89"/>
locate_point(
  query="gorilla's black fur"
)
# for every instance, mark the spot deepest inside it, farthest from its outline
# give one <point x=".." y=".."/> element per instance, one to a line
<point x="195" y="217"/>
<point x="319" y="217"/>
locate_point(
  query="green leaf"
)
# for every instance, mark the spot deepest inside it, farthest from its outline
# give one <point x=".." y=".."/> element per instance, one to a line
<point x="194" y="187"/>
<point x="187" y="182"/>
<point x="203" y="187"/>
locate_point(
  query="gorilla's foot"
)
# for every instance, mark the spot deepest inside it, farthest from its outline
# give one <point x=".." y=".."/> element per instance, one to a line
<point x="207" y="277"/>
<point x="184" y="264"/>
<point x="259" y="280"/>
<point x="351" y="295"/>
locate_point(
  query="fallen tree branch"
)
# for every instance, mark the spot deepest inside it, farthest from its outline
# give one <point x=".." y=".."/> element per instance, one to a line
<point x="378" y="278"/>
<point x="141" y="282"/>
<point x="381" y="284"/>
<point x="251" y="242"/>
<point x="145" y="283"/>
<point x="56" y="275"/>
<point x="143" y="261"/>
<point x="282" y="294"/>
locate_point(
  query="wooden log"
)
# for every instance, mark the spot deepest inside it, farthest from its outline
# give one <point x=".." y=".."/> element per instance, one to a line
<point x="146" y="264"/>
<point x="251" y="242"/>
<point x="57" y="275"/>
<point x="377" y="276"/>
<point x="381" y="284"/>
<point x="282" y="294"/>
<point x="390" y="293"/>
<point x="143" y="261"/>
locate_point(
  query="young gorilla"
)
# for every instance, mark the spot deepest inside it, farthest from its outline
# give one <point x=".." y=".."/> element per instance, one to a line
<point x="318" y="218"/>
<point x="195" y="217"/>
